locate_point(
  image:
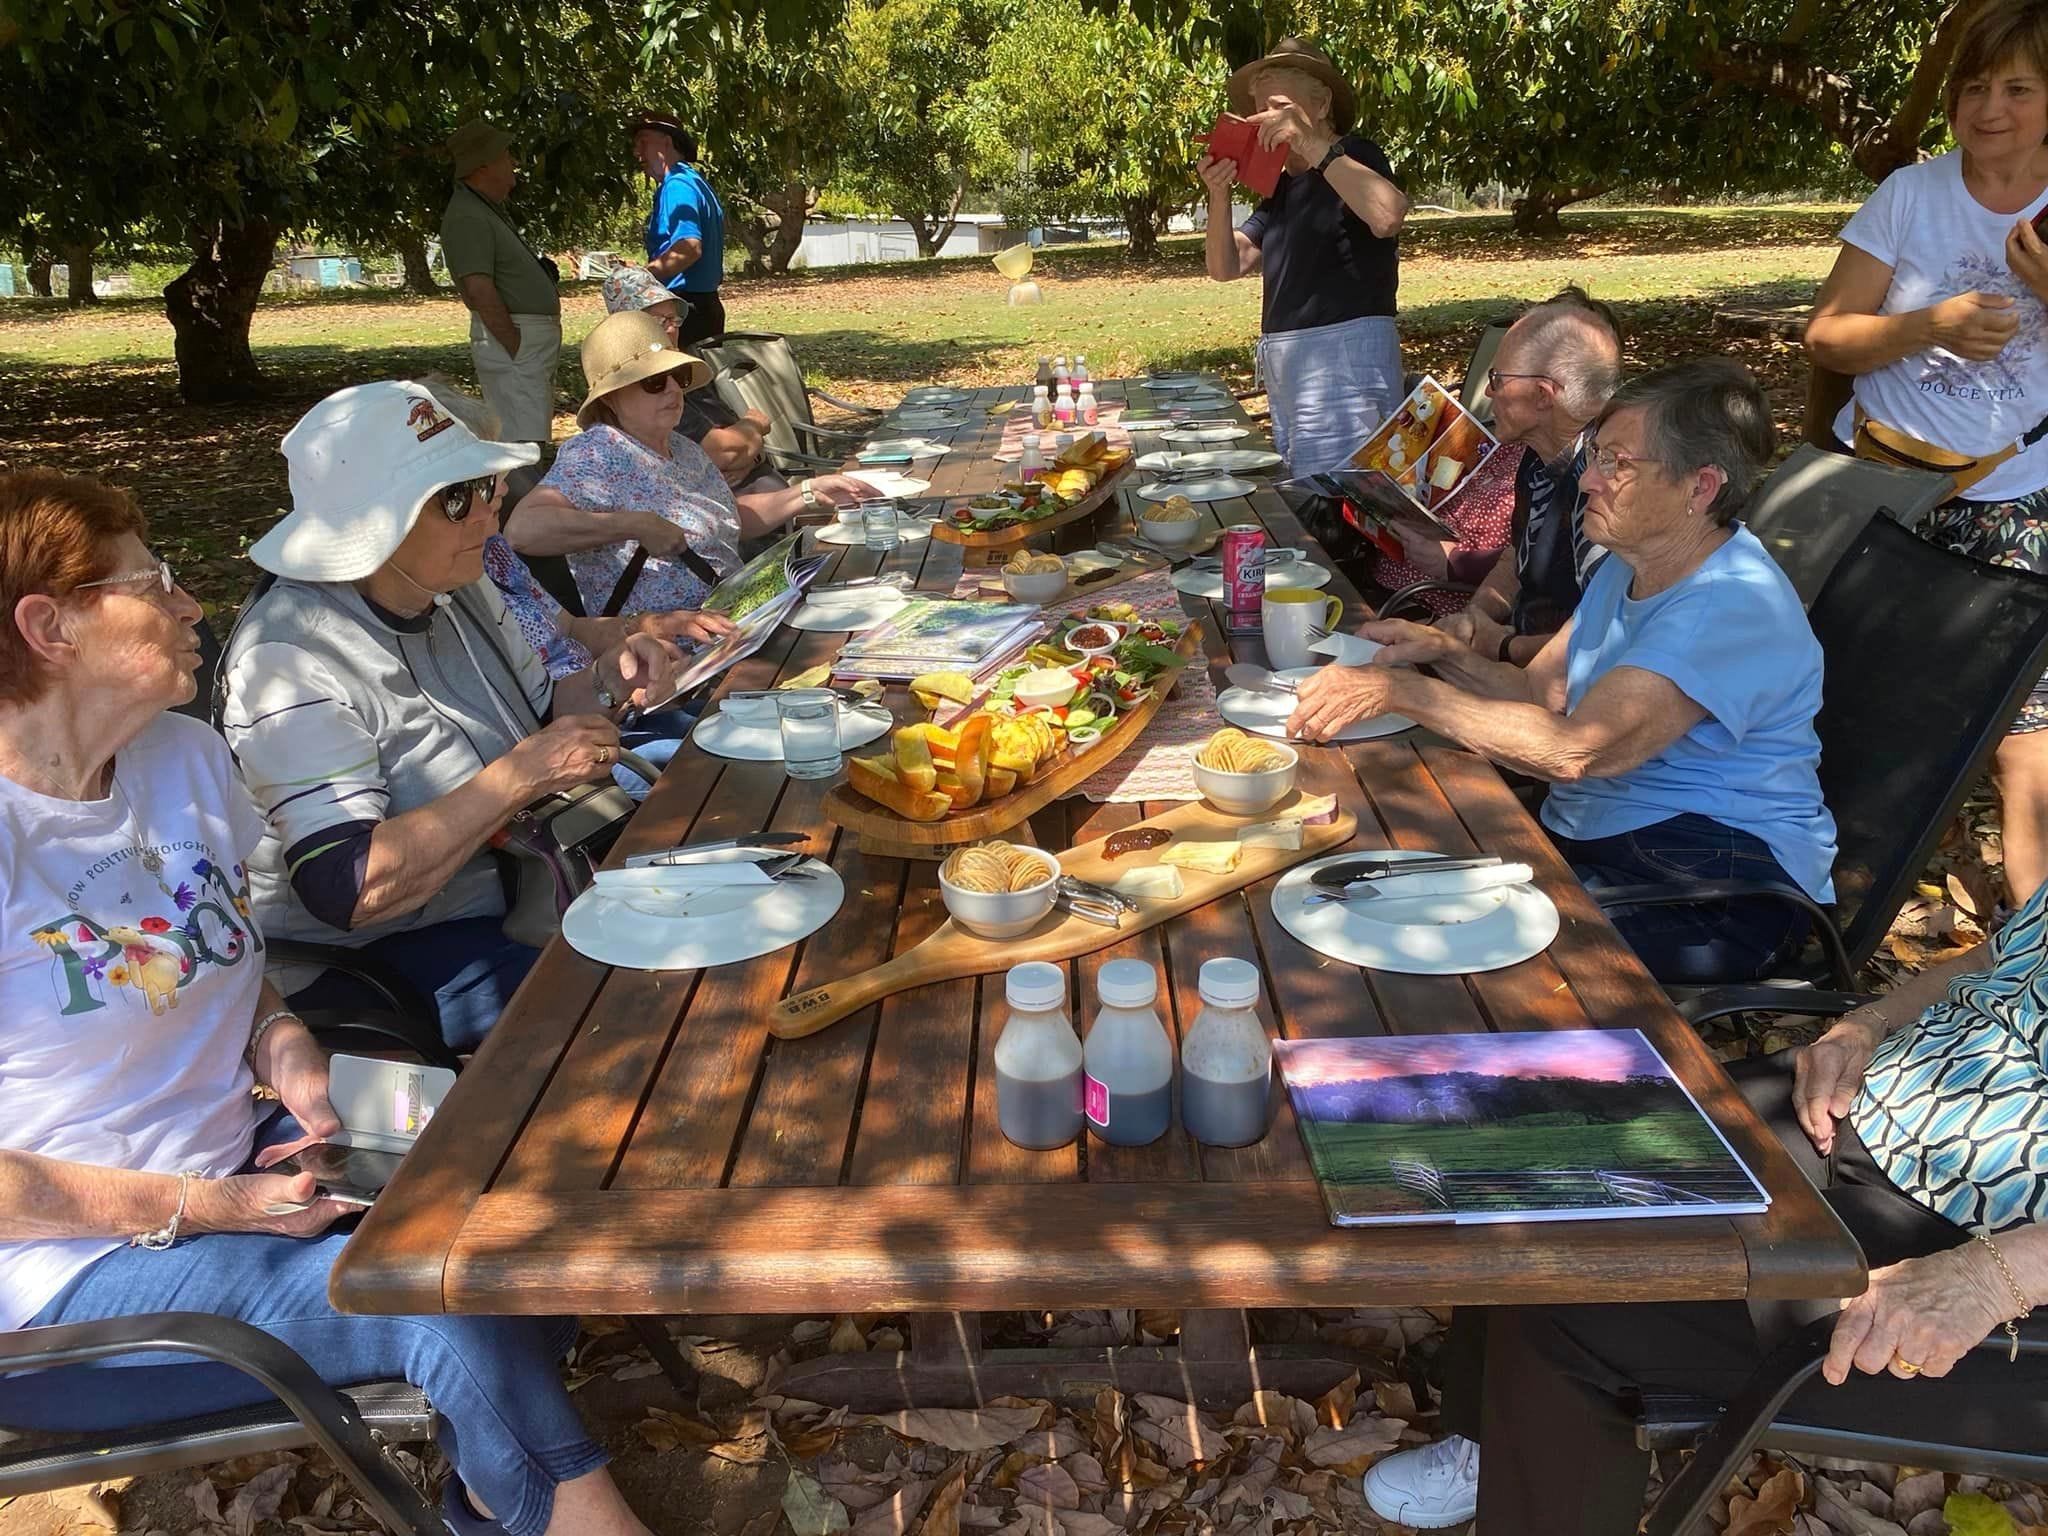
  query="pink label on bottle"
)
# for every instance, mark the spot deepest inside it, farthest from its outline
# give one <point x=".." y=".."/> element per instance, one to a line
<point x="1095" y="1100"/>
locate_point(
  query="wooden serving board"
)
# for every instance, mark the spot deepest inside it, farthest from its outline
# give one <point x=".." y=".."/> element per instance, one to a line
<point x="989" y="583"/>
<point x="883" y="832"/>
<point x="984" y="545"/>
<point x="953" y="952"/>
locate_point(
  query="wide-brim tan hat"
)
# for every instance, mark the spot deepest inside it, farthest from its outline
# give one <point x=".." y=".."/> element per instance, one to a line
<point x="630" y="346"/>
<point x="362" y="462"/>
<point x="1295" y="53"/>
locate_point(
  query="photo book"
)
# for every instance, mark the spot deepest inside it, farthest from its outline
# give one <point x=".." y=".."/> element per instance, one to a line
<point x="1547" y="1125"/>
<point x="757" y="598"/>
<point x="1414" y="463"/>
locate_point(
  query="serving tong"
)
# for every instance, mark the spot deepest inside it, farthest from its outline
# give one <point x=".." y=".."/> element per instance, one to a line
<point x="1091" y="902"/>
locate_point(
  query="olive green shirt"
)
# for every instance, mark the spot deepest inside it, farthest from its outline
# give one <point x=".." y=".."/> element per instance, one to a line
<point x="478" y="240"/>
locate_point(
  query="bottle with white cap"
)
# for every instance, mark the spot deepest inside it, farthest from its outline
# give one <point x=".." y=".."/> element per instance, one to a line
<point x="1129" y="1058"/>
<point x="1226" y="1062"/>
<point x="1038" y="1060"/>
<point x="1030" y="457"/>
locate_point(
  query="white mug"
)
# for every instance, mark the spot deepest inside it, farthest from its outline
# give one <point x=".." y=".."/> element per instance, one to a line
<point x="1295" y="618"/>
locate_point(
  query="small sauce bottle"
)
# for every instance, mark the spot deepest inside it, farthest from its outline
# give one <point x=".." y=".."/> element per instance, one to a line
<point x="1226" y="1062"/>
<point x="1041" y="407"/>
<point x="1032" y="464"/>
<point x="1128" y="1058"/>
<point x="1038" y="1060"/>
<point x="1063" y="405"/>
<point x="1085" y="408"/>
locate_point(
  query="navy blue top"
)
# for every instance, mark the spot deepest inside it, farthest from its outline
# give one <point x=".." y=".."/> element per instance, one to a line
<point x="1323" y="264"/>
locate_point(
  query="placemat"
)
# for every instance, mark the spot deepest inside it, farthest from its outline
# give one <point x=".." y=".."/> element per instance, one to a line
<point x="1161" y="766"/>
<point x="1106" y="417"/>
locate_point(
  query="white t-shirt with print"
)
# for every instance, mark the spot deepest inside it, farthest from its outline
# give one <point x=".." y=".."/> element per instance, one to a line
<point x="126" y="994"/>
<point x="1940" y="241"/>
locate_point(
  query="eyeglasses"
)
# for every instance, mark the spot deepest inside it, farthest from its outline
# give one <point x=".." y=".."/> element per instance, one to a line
<point x="160" y="573"/>
<point x="1612" y="461"/>
<point x="658" y="385"/>
<point x="459" y="499"/>
<point x="1495" y="378"/>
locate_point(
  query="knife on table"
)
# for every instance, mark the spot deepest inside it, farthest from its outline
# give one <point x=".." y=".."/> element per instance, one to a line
<point x="681" y="855"/>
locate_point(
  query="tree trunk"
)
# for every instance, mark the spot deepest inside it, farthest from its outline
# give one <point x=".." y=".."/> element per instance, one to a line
<point x="921" y="231"/>
<point x="36" y="262"/>
<point x="789" y="206"/>
<point x="1141" y="226"/>
<point x="78" y="279"/>
<point x="412" y="256"/>
<point x="754" y="232"/>
<point x="1536" y="210"/>
<point x="210" y="305"/>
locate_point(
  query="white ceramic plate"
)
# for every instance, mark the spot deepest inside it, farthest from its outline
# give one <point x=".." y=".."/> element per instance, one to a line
<point x="843" y="613"/>
<point x="1223" y="461"/>
<point x="1196" y="437"/>
<point x="1266" y="713"/>
<point x="1521" y="926"/>
<point x="908" y="531"/>
<point x="723" y="736"/>
<point x="1175" y="383"/>
<point x="1214" y="488"/>
<point x="1197" y="582"/>
<point x="716" y="927"/>
<point x="934" y="396"/>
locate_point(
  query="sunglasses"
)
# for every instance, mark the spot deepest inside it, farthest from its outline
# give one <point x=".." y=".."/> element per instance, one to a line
<point x="658" y="385"/>
<point x="459" y="499"/>
<point x="161" y="574"/>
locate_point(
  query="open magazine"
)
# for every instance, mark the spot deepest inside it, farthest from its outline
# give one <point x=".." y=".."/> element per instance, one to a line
<point x="757" y="597"/>
<point x="1418" y="459"/>
<point x="1547" y="1125"/>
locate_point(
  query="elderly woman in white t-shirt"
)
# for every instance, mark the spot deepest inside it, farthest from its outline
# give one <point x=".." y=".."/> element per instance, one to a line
<point x="134" y="1023"/>
<point x="1938" y="305"/>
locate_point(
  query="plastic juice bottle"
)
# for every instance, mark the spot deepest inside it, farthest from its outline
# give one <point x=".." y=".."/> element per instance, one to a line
<point x="1063" y="405"/>
<point x="1059" y="373"/>
<point x="1032" y="464"/>
<point x="1044" y="380"/>
<point x="1226" y="1061"/>
<point x="1128" y="1058"/>
<point x="1080" y="371"/>
<point x="1085" y="408"/>
<point x="1038" y="1060"/>
<point x="1041" y="407"/>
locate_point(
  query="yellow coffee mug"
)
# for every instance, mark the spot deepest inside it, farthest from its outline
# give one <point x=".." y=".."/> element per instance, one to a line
<point x="1295" y="618"/>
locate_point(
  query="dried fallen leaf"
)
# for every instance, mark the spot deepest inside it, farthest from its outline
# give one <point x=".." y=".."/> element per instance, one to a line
<point x="942" y="1515"/>
<point x="960" y="1429"/>
<point x="810" y="1331"/>
<point x="1355" y="1447"/>
<point x="1178" y="1430"/>
<point x="1770" y="1513"/>
<point x="665" y="1430"/>
<point x="1250" y="1485"/>
<point x="847" y="1337"/>
<point x="1334" y="1406"/>
<point x="1850" y="1517"/>
<point x="1075" y="1522"/>
<point x="1972" y="1514"/>
<point x="1049" y="1485"/>
<point x="258" y="1499"/>
<point x="810" y="1510"/>
<point x="895" y="1515"/>
<point x="1289" y="1417"/>
<point x="1921" y="1491"/>
<point x="1395" y="1399"/>
<point x="747" y="1446"/>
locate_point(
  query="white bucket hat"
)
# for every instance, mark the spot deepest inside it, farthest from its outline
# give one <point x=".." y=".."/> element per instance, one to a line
<point x="362" y="461"/>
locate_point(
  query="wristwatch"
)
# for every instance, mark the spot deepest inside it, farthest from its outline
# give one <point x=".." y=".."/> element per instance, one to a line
<point x="1334" y="153"/>
<point x="811" y="498"/>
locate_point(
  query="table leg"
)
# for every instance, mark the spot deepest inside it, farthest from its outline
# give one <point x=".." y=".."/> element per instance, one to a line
<point x="653" y="1332"/>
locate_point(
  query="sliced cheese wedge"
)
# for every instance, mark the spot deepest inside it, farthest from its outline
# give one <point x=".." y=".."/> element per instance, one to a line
<point x="1284" y="833"/>
<point x="1314" y="810"/>
<point x="1209" y="858"/>
<point x="1155" y="882"/>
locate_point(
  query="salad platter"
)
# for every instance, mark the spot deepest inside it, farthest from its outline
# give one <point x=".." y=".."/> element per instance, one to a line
<point x="1081" y="481"/>
<point x="995" y="752"/>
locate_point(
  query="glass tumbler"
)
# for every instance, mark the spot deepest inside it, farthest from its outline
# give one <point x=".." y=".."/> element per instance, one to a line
<point x="878" y="525"/>
<point x="809" y="718"/>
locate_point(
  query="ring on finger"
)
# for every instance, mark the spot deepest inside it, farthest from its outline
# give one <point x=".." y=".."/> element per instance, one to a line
<point x="1902" y="1366"/>
<point x="604" y="756"/>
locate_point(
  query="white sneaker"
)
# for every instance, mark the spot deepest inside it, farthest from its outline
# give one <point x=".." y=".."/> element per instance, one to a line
<point x="1429" y="1488"/>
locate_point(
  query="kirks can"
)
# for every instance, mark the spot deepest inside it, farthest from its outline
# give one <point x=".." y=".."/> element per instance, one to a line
<point x="1244" y="573"/>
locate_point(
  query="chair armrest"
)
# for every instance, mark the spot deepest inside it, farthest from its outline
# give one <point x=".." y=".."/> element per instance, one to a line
<point x="791" y="458"/>
<point x="850" y="407"/>
<point x="1410" y="594"/>
<point x="400" y="995"/>
<point x="329" y="1417"/>
<point x="1803" y="1002"/>
<point x="348" y="1029"/>
<point x="1824" y="928"/>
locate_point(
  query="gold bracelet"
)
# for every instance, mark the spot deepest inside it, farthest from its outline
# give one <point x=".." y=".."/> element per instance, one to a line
<point x="2012" y="1324"/>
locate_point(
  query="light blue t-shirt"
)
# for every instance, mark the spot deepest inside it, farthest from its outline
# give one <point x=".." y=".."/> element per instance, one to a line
<point x="1733" y="639"/>
<point x="685" y="208"/>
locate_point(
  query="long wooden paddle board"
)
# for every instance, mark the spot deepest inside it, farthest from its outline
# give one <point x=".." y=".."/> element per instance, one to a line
<point x="953" y="952"/>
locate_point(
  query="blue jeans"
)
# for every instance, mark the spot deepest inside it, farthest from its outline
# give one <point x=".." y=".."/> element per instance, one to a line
<point x="1711" y="941"/>
<point x="1329" y="386"/>
<point x="496" y="1380"/>
<point x="468" y="967"/>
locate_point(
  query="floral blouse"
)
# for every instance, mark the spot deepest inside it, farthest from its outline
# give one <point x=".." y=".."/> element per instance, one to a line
<point x="1481" y="515"/>
<point x="540" y="618"/>
<point x="602" y="469"/>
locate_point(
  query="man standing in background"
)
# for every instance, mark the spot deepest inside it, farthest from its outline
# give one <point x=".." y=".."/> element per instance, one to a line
<point x="686" y="227"/>
<point x="515" y="314"/>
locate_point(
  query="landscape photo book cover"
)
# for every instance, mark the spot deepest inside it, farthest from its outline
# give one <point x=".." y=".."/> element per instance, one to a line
<point x="1549" y="1125"/>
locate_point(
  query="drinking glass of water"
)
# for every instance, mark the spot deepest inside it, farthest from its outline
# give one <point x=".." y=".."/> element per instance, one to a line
<point x="809" y="718"/>
<point x="878" y="525"/>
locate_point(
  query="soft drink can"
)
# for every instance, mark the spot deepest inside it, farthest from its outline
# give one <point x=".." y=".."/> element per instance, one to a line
<point x="1244" y="573"/>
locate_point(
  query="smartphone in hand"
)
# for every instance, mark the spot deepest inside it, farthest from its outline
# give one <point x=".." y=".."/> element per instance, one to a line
<point x="350" y="1175"/>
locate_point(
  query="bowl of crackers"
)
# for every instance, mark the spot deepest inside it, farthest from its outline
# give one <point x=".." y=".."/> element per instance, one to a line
<point x="1171" y="524"/>
<point x="999" y="890"/>
<point x="1242" y="774"/>
<point x="1032" y="577"/>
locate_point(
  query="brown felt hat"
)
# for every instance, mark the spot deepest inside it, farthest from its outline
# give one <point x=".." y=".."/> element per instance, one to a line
<point x="476" y="144"/>
<point x="630" y="346"/>
<point x="1296" y="53"/>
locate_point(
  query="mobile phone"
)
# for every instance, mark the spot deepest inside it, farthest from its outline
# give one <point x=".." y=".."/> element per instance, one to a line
<point x="2040" y="223"/>
<point x="351" y="1175"/>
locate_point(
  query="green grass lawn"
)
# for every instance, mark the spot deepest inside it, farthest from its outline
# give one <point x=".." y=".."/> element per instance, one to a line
<point x="95" y="391"/>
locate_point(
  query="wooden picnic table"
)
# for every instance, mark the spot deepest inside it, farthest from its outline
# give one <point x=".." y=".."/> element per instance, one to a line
<point x="630" y="1142"/>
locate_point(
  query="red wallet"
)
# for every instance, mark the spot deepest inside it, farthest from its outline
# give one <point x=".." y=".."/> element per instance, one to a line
<point x="1233" y="138"/>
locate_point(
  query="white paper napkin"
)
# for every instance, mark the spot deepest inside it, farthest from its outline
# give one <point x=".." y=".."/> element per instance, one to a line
<point x="1451" y="882"/>
<point x="1349" y="651"/>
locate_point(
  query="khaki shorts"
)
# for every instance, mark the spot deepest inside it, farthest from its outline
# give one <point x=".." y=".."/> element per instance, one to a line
<point x="520" y="389"/>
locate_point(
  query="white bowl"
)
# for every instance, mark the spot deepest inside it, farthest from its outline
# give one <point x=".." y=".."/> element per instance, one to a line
<point x="1246" y="794"/>
<point x="849" y="517"/>
<point x="1170" y="534"/>
<point x="1002" y="914"/>
<point x="1035" y="586"/>
<point x="1118" y="630"/>
<point x="760" y="711"/>
<point x="1046" y="687"/>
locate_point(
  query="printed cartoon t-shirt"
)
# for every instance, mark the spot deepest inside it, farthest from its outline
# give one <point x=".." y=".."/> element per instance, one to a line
<point x="129" y="975"/>
<point x="1940" y="241"/>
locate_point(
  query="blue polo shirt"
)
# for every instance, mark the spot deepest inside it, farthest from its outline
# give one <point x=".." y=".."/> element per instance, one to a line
<point x="1733" y="639"/>
<point x="685" y="208"/>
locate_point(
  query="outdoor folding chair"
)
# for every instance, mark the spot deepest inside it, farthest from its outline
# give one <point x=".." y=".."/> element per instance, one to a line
<point x="1929" y="657"/>
<point x="1812" y="506"/>
<point x="756" y="370"/>
<point x="355" y="1426"/>
<point x="1472" y="393"/>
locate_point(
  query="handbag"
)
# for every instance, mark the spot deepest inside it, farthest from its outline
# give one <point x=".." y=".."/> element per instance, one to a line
<point x="1901" y="450"/>
<point x="554" y="847"/>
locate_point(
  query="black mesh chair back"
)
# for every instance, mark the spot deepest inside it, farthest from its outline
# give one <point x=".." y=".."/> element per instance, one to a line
<point x="1929" y="657"/>
<point x="1812" y="506"/>
<point x="1473" y="393"/>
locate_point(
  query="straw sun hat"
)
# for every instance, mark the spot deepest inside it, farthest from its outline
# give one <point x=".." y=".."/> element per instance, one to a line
<point x="628" y="347"/>
<point x="1297" y="53"/>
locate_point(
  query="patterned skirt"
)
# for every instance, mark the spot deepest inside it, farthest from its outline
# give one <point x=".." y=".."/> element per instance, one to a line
<point x="2011" y="533"/>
